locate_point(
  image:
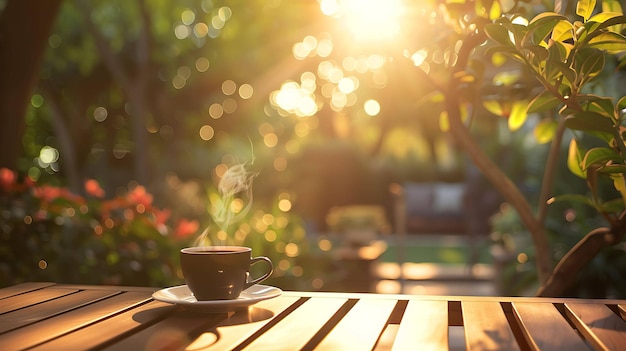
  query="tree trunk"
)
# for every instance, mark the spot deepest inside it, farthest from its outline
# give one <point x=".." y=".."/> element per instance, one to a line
<point x="24" y="29"/>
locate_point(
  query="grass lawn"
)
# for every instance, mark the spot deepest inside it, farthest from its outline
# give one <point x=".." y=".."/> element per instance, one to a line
<point x="436" y="253"/>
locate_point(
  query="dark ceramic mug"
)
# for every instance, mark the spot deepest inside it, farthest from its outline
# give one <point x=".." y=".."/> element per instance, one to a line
<point x="220" y="272"/>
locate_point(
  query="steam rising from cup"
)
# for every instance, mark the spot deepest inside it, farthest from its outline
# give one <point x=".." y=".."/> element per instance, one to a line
<point x="235" y="181"/>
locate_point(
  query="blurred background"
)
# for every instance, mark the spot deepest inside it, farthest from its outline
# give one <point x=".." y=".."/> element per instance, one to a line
<point x="137" y="108"/>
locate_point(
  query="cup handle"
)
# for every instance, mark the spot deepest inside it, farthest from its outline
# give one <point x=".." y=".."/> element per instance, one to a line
<point x="254" y="260"/>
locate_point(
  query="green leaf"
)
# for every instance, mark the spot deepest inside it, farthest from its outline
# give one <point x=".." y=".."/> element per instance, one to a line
<point x="612" y="169"/>
<point x="620" y="107"/>
<point x="495" y="11"/>
<point x="592" y="65"/>
<point x="573" y="198"/>
<point x="584" y="8"/>
<point x="546" y="17"/>
<point x="620" y="184"/>
<point x="518" y="114"/>
<point x="622" y="63"/>
<point x="444" y="121"/>
<point x="600" y="104"/>
<point x="497" y="107"/>
<point x="605" y="20"/>
<point x="545" y="101"/>
<point x="589" y="121"/>
<point x="498" y="33"/>
<point x="611" y="42"/>
<point x="599" y="156"/>
<point x="509" y="51"/>
<point x="535" y="53"/>
<point x="557" y="51"/>
<point x="541" y="26"/>
<point x="563" y="31"/>
<point x="603" y="17"/>
<point x="574" y="158"/>
<point x="612" y="206"/>
<point x="554" y="70"/>
<point x="545" y="130"/>
<point x="506" y="78"/>
<point x="611" y="6"/>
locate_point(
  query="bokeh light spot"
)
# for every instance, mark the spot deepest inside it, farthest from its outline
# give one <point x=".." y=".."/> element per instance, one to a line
<point x="202" y="64"/>
<point x="229" y="105"/>
<point x="187" y="17"/>
<point x="181" y="31"/>
<point x="284" y="205"/>
<point x="371" y="107"/>
<point x="100" y="114"/>
<point x="207" y="132"/>
<point x="216" y="111"/>
<point x="292" y="250"/>
<point x="270" y="140"/>
<point x="280" y="164"/>
<point x="246" y="91"/>
<point x="229" y="87"/>
<point x="36" y="100"/>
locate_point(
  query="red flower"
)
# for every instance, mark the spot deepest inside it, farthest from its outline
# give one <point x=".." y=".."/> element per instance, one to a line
<point x="139" y="195"/>
<point x="161" y="216"/>
<point x="47" y="193"/>
<point x="186" y="228"/>
<point x="7" y="179"/>
<point x="92" y="187"/>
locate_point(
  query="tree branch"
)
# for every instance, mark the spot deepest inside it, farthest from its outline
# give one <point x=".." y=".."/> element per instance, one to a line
<point x="565" y="273"/>
<point x="500" y="181"/>
<point x="548" y="176"/>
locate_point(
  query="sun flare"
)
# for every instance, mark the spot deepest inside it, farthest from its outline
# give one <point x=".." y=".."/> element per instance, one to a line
<point x="367" y="20"/>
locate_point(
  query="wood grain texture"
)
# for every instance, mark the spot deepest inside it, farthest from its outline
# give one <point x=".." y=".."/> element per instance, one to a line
<point x="295" y="330"/>
<point x="486" y="327"/>
<point x="48" y="329"/>
<point x="360" y="328"/>
<point x="34" y="297"/>
<point x="21" y="288"/>
<point x="48" y="309"/>
<point x="545" y="328"/>
<point x="113" y="328"/>
<point x="599" y="325"/>
<point x="424" y="324"/>
<point x="243" y="325"/>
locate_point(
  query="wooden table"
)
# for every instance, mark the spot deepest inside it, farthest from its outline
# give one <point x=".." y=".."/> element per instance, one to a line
<point x="45" y="316"/>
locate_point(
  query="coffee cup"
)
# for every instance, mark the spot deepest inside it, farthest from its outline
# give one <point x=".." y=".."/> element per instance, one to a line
<point x="220" y="272"/>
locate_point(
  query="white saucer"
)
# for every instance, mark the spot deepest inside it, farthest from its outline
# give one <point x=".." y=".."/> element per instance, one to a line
<point x="182" y="296"/>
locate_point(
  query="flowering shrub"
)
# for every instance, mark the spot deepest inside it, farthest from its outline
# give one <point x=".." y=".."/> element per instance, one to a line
<point x="50" y="233"/>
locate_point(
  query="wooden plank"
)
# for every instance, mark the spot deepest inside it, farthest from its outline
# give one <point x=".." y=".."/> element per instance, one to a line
<point x="622" y="310"/>
<point x="31" y="298"/>
<point x="126" y="288"/>
<point x="424" y="326"/>
<point x="35" y="313"/>
<point x="600" y="326"/>
<point x="360" y="328"/>
<point x="242" y="325"/>
<point x="295" y="330"/>
<point x="453" y="298"/>
<point x="486" y="327"/>
<point x="545" y="328"/>
<point x="99" y="334"/>
<point x="48" y="329"/>
<point x="172" y="333"/>
<point x="22" y="288"/>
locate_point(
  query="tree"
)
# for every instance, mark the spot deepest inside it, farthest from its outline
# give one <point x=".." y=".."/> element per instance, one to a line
<point x="513" y="60"/>
<point x="564" y="56"/>
<point x="24" y="29"/>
